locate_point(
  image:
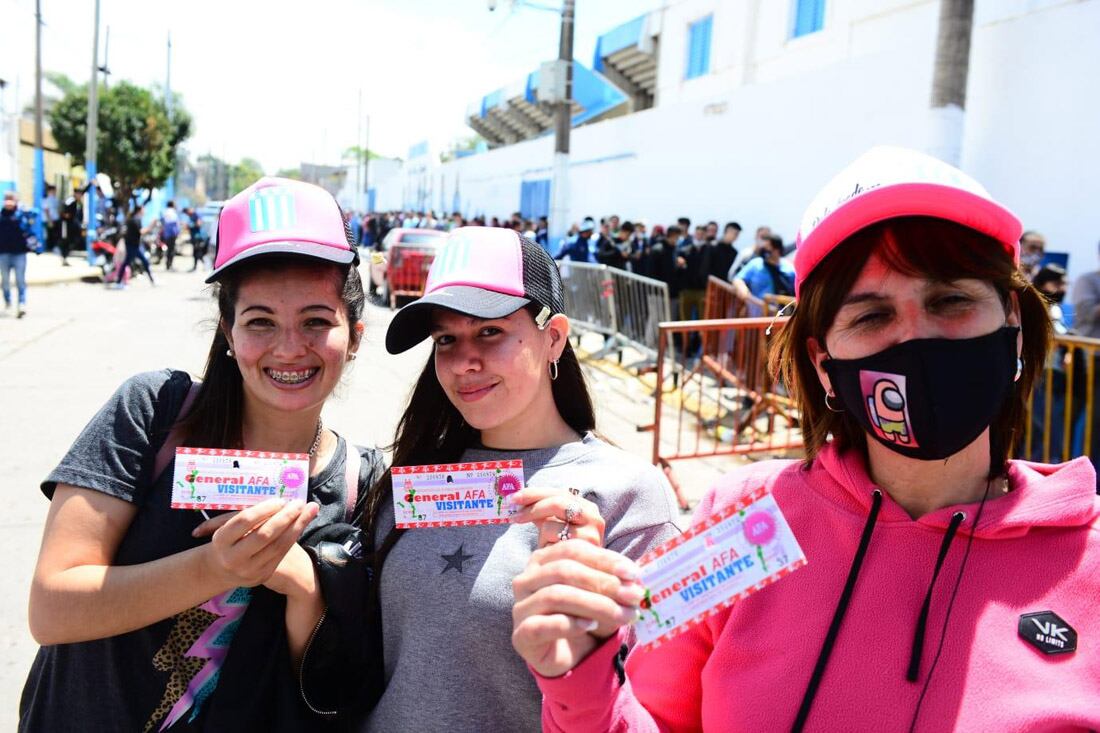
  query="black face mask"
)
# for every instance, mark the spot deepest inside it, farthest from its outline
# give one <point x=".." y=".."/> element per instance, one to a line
<point x="928" y="398"/>
<point x="1054" y="297"/>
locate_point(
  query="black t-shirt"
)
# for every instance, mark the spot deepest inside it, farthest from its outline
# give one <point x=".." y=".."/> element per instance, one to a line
<point x="166" y="676"/>
<point x="132" y="232"/>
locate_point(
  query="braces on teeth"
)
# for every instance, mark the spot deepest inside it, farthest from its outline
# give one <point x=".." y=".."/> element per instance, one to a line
<point x="291" y="377"/>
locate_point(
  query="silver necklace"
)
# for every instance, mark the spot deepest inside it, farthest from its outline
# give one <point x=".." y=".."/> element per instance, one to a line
<point x="316" y="438"/>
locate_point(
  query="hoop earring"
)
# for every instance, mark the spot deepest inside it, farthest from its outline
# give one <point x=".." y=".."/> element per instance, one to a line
<point x="229" y="353"/>
<point x="827" y="405"/>
<point x="1019" y="369"/>
<point x="553" y="370"/>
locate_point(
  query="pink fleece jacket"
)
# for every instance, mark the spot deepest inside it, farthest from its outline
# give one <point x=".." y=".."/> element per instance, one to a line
<point x="1036" y="549"/>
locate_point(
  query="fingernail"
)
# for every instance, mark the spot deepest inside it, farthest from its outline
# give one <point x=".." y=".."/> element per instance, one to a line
<point x="591" y="625"/>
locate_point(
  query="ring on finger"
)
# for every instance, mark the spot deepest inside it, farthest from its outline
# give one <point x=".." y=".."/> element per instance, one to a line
<point x="571" y="513"/>
<point x="563" y="535"/>
<point x="575" y="492"/>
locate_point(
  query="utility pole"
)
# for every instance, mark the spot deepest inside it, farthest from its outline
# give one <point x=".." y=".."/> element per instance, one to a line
<point x="105" y="69"/>
<point x="559" y="186"/>
<point x="170" y="186"/>
<point x="366" y="167"/>
<point x="359" y="151"/>
<point x="39" y="161"/>
<point x="90" y="149"/>
<point x="950" y="73"/>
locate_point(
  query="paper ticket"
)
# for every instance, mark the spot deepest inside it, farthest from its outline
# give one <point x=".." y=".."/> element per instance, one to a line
<point x="455" y="494"/>
<point x="732" y="554"/>
<point x="215" y="478"/>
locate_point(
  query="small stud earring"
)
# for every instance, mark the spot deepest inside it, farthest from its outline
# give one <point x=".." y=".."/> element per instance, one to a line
<point x="229" y="353"/>
<point x="351" y="356"/>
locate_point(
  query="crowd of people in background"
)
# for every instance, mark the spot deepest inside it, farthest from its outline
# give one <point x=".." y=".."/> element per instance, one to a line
<point x="685" y="256"/>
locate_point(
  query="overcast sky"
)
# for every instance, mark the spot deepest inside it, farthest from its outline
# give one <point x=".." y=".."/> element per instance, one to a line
<point x="279" y="81"/>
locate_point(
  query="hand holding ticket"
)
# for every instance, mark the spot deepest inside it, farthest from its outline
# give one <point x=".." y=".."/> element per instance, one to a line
<point x="726" y="558"/>
<point x="455" y="494"/>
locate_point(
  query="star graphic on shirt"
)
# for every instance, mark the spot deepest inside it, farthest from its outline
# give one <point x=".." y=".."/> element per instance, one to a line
<point x="456" y="560"/>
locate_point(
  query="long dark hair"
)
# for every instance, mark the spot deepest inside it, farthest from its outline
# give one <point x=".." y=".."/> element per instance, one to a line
<point x="919" y="247"/>
<point x="214" y="420"/>
<point x="432" y="431"/>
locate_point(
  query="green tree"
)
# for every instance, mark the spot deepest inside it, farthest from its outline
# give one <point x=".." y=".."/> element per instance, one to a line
<point x="295" y="173"/>
<point x="244" y="174"/>
<point x="137" y="139"/>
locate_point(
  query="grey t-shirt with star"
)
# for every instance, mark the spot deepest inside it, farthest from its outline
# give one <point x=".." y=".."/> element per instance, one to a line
<point x="447" y="593"/>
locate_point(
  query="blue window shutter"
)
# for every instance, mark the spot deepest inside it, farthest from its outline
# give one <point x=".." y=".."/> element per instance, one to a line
<point x="809" y="17"/>
<point x="698" y="58"/>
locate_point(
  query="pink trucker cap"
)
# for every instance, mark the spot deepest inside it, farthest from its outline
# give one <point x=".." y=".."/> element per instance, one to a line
<point x="484" y="272"/>
<point x="281" y="216"/>
<point x="888" y="182"/>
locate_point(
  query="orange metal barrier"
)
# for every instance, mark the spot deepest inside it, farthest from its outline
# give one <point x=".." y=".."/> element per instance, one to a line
<point x="407" y="273"/>
<point x="720" y="401"/>
<point x="1063" y="423"/>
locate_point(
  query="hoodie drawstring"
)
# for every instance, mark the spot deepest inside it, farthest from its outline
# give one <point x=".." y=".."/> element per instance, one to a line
<point x="922" y="620"/>
<point x="838" y="615"/>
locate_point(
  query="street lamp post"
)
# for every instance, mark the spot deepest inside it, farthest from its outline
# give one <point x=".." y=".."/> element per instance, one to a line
<point x="559" y="183"/>
<point x="39" y="161"/>
<point x="90" y="147"/>
<point x="562" y="100"/>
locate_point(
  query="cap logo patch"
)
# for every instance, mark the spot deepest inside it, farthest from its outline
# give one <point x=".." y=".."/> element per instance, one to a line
<point x="453" y="256"/>
<point x="271" y="208"/>
<point x="1047" y="632"/>
<point x="888" y="406"/>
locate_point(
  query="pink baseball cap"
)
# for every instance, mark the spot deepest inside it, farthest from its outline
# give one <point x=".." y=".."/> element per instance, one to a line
<point x="888" y="182"/>
<point x="484" y="272"/>
<point x="281" y="216"/>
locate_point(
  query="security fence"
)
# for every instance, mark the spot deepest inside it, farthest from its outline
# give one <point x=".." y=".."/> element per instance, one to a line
<point x="626" y="308"/>
<point x="1063" y="422"/>
<point x="723" y="402"/>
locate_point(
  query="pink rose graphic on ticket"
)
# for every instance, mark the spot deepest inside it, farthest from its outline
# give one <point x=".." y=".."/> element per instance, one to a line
<point x="213" y="478"/>
<point x="715" y="563"/>
<point x="455" y="494"/>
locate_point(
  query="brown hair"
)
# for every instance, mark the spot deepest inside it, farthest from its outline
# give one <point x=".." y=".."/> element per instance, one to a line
<point x="920" y="247"/>
<point x="214" y="420"/>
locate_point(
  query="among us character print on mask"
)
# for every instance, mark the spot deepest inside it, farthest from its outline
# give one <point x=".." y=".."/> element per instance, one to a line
<point x="928" y="398"/>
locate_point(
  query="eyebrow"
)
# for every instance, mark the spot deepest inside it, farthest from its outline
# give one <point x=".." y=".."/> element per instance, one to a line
<point x="860" y="298"/>
<point x="265" y="309"/>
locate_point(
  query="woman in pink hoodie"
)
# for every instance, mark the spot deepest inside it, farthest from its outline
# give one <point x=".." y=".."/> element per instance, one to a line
<point x="946" y="587"/>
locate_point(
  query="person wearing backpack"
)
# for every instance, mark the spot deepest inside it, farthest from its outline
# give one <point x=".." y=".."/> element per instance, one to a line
<point x="145" y="622"/>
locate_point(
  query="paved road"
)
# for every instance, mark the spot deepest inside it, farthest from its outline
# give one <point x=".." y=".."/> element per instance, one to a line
<point x="80" y="341"/>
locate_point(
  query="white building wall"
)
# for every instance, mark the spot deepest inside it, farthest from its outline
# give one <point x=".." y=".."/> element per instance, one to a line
<point x="1033" y="118"/>
<point x="777" y="117"/>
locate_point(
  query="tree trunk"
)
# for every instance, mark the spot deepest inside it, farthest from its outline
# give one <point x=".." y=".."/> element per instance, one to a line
<point x="952" y="68"/>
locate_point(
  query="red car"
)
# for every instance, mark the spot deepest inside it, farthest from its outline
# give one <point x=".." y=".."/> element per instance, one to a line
<point x="408" y="255"/>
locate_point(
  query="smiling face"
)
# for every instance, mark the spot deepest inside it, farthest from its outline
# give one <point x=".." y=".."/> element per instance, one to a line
<point x="495" y="372"/>
<point x="291" y="337"/>
<point x="886" y="307"/>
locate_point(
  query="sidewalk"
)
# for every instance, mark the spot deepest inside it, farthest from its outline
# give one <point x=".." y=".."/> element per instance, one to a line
<point x="46" y="269"/>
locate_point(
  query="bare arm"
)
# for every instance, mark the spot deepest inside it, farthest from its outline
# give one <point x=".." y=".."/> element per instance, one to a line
<point x="77" y="595"/>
